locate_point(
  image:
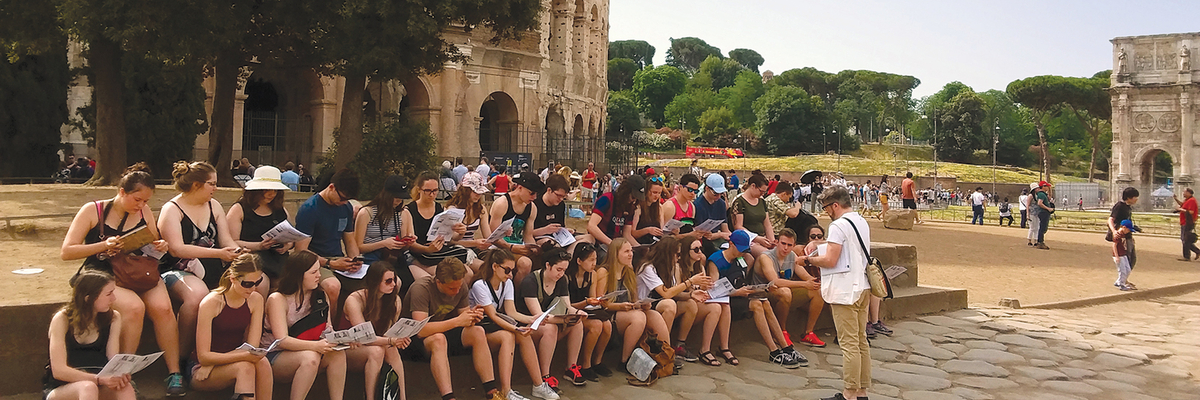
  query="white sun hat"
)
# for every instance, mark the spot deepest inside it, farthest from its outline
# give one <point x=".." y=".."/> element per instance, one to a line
<point x="266" y="178"/>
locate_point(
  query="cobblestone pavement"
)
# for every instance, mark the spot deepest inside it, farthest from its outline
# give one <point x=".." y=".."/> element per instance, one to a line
<point x="1131" y="350"/>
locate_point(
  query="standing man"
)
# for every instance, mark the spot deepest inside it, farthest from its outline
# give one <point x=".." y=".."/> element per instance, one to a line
<point x="328" y="217"/>
<point x="1021" y="205"/>
<point x="734" y="182"/>
<point x="459" y="170"/>
<point x="908" y="194"/>
<point x="290" y="177"/>
<point x="1123" y="210"/>
<point x="1080" y="203"/>
<point x="484" y="169"/>
<point x="589" y="182"/>
<point x="1044" y="206"/>
<point x="1187" y="223"/>
<point x="847" y="291"/>
<point x="695" y="168"/>
<point x="978" y="202"/>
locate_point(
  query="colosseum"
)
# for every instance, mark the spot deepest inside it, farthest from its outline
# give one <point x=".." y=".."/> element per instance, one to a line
<point x="541" y="98"/>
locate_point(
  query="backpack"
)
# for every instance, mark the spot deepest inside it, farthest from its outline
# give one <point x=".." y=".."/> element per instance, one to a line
<point x="651" y="349"/>
<point x="1004" y="207"/>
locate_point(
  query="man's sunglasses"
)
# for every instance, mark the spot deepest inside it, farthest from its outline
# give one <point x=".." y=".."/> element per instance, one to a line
<point x="695" y="190"/>
<point x="251" y="285"/>
<point x="816" y="236"/>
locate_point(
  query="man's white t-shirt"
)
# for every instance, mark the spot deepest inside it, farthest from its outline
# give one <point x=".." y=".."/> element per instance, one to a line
<point x="845" y="288"/>
<point x="978" y="198"/>
<point x="482" y="294"/>
<point x="1021" y="202"/>
<point x="647" y="280"/>
<point x="484" y="170"/>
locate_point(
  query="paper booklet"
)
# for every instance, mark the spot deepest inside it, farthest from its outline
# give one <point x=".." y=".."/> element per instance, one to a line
<point x="150" y="251"/>
<point x="893" y="271"/>
<point x="361" y="333"/>
<point x="128" y="364"/>
<point x="672" y="225"/>
<point x="362" y="272"/>
<point x="442" y="225"/>
<point x="840" y="269"/>
<point x="616" y="294"/>
<point x="721" y="288"/>
<point x="563" y="237"/>
<point x="285" y="233"/>
<point x="406" y="328"/>
<point x="257" y="350"/>
<point x="709" y="226"/>
<point x="501" y="230"/>
<point x="137" y="239"/>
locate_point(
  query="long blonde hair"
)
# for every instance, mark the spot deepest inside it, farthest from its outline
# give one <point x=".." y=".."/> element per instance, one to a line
<point x="612" y="264"/>
<point x="241" y="266"/>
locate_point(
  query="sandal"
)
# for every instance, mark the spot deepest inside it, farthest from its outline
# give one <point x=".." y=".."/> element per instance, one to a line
<point x="730" y="358"/>
<point x="710" y="360"/>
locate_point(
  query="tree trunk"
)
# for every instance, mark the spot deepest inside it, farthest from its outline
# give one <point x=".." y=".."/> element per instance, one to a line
<point x="1092" y="165"/>
<point x="350" y="128"/>
<point x="104" y="56"/>
<point x="220" y="132"/>
<point x="1041" y="129"/>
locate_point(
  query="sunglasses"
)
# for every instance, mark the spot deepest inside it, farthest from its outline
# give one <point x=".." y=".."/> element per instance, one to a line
<point x="506" y="270"/>
<point x="389" y="281"/>
<point x="251" y="285"/>
<point x="696" y="190"/>
<point x="697" y="249"/>
<point x="817" y="236"/>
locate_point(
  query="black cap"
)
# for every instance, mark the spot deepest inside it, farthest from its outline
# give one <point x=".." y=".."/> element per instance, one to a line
<point x="397" y="186"/>
<point x="637" y="186"/>
<point x="529" y="181"/>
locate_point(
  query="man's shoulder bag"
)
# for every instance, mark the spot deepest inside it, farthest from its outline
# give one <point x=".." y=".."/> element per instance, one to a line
<point x="881" y="286"/>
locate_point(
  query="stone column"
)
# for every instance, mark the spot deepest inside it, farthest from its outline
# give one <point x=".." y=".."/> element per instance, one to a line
<point x="1187" y="143"/>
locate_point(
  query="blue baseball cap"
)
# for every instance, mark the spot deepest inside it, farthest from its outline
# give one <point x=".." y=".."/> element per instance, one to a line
<point x="740" y="239"/>
<point x="716" y="183"/>
<point x="1129" y="224"/>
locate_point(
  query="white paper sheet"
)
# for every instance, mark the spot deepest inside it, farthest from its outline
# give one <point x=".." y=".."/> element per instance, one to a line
<point x="709" y="226"/>
<point x="538" y="322"/>
<point x="128" y="364"/>
<point x="615" y="296"/>
<point x="361" y="333"/>
<point x="362" y="272"/>
<point x="893" y="271"/>
<point x="840" y="269"/>
<point x="721" y="288"/>
<point x="442" y="224"/>
<point x="406" y="328"/>
<point x="672" y="225"/>
<point x="720" y="300"/>
<point x="150" y="251"/>
<point x="285" y="233"/>
<point x="563" y="237"/>
<point x="640" y="364"/>
<point x="500" y="231"/>
<point x="259" y="351"/>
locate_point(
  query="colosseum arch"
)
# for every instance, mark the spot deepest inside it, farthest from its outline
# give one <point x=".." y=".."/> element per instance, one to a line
<point x="498" y="123"/>
<point x="1154" y="91"/>
<point x="416" y="101"/>
<point x="597" y="63"/>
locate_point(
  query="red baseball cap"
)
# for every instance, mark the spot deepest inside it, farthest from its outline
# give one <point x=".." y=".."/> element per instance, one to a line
<point x="1044" y="184"/>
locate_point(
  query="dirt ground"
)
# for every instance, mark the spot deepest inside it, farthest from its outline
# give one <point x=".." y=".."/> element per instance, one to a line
<point x="991" y="262"/>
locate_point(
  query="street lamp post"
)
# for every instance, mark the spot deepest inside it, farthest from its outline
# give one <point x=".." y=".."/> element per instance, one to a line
<point x="839" y="161"/>
<point x="995" y="141"/>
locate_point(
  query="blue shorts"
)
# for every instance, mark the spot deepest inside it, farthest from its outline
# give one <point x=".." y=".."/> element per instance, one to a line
<point x="171" y="277"/>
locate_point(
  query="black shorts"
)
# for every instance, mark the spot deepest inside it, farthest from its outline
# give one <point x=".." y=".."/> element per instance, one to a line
<point x="910" y="204"/>
<point x="454" y="346"/>
<point x="739" y="308"/>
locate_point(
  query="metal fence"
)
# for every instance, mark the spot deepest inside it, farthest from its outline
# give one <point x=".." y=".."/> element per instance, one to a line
<point x="1093" y="195"/>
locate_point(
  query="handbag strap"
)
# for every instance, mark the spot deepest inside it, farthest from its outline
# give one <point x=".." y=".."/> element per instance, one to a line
<point x="860" y="241"/>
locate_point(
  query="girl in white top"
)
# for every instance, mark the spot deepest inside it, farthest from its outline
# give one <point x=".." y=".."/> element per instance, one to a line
<point x="672" y="300"/>
<point x="493" y="290"/>
<point x="632" y="318"/>
<point x="298" y="314"/>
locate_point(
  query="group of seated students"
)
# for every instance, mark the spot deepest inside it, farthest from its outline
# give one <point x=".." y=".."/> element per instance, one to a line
<point x="223" y="285"/>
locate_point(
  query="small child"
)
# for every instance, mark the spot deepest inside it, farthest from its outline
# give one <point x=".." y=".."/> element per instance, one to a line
<point x="1121" y="255"/>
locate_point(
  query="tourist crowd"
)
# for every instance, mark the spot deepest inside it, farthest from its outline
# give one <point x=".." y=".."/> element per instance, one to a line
<point x="659" y="258"/>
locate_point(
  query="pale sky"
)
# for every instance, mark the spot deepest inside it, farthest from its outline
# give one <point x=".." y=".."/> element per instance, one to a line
<point x="984" y="44"/>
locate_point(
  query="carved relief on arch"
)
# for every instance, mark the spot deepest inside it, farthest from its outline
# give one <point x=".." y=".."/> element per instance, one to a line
<point x="1144" y="122"/>
<point x="1168" y="122"/>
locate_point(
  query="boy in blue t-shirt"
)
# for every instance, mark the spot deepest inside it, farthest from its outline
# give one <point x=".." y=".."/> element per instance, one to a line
<point x="328" y="217"/>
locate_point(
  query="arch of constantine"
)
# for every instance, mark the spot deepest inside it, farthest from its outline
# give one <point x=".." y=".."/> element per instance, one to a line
<point x="1155" y="87"/>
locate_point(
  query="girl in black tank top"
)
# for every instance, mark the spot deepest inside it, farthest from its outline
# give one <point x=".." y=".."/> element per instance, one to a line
<point x="78" y="362"/>
<point x="580" y="281"/>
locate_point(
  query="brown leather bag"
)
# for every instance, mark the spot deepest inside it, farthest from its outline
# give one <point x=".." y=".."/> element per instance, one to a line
<point x="133" y="272"/>
<point x="663" y="355"/>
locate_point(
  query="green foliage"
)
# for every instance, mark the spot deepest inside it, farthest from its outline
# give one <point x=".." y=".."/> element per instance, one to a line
<point x="396" y="144"/>
<point x="620" y="73"/>
<point x="740" y="97"/>
<point x="813" y="81"/>
<point x="718" y="73"/>
<point x="1016" y="132"/>
<point x="687" y="53"/>
<point x="641" y="52"/>
<point x="790" y="120"/>
<point x="960" y="130"/>
<point x="33" y="97"/>
<point x="164" y="112"/>
<point x="622" y="113"/>
<point x="688" y="106"/>
<point x="748" y="58"/>
<point x="654" y="88"/>
<point x="654" y="141"/>
<point x="717" y="126"/>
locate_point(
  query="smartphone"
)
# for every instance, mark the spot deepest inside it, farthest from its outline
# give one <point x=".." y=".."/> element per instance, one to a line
<point x="359" y="259"/>
<point x="408" y="239"/>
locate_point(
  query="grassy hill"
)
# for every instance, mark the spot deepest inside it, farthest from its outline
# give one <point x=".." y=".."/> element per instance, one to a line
<point x="880" y="162"/>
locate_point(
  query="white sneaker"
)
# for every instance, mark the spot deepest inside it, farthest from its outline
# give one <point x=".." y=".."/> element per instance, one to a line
<point x="513" y="395"/>
<point x="544" y="391"/>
